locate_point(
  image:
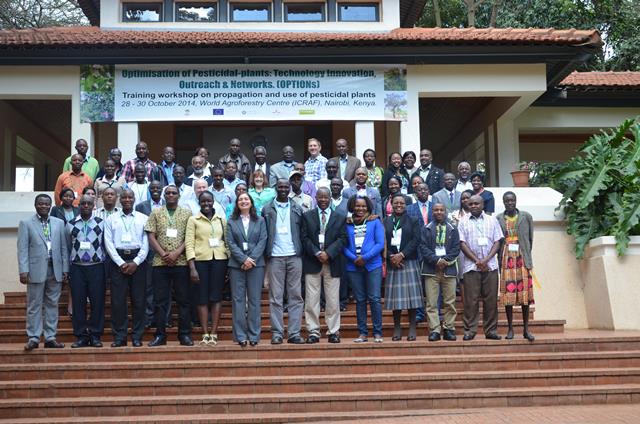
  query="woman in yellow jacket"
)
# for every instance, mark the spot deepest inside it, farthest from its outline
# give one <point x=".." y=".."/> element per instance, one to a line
<point x="207" y="253"/>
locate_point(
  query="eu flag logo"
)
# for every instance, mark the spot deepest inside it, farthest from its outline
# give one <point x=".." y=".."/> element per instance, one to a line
<point x="218" y="111"/>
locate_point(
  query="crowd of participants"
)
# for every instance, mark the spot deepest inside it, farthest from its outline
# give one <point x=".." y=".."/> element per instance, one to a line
<point x="318" y="234"/>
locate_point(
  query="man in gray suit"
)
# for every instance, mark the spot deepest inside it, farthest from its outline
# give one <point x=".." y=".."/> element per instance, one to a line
<point x="283" y="168"/>
<point x="360" y="188"/>
<point x="448" y="196"/>
<point x="43" y="263"/>
<point x="347" y="163"/>
<point x="284" y="251"/>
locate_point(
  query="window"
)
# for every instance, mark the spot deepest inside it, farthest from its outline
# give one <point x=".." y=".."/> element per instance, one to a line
<point x="141" y="12"/>
<point x="24" y="179"/>
<point x="250" y="12"/>
<point x="358" y="12"/>
<point x="304" y="12"/>
<point x="196" y="12"/>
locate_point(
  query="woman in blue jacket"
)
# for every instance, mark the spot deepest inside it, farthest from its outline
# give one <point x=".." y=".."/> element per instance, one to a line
<point x="365" y="234"/>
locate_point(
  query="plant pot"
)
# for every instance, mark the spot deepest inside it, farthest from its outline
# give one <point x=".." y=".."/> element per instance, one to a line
<point x="520" y="178"/>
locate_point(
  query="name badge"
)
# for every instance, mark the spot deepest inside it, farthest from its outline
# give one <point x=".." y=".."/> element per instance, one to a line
<point x="283" y="230"/>
<point x="85" y="245"/>
<point x="483" y="241"/>
<point x="514" y="247"/>
<point x="321" y="238"/>
<point x="172" y="232"/>
<point x="214" y="242"/>
<point x="397" y="236"/>
<point x="126" y="238"/>
<point x="245" y="245"/>
<point x="441" y="251"/>
<point x="359" y="241"/>
<point x="48" y="246"/>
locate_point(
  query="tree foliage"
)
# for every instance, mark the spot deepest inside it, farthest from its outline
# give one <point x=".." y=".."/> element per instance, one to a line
<point x="617" y="20"/>
<point x="17" y="14"/>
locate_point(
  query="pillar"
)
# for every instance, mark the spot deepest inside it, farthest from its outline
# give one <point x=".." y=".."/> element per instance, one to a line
<point x="365" y="137"/>
<point x="128" y="137"/>
<point x="79" y="129"/>
<point x="410" y="129"/>
<point x="508" y="151"/>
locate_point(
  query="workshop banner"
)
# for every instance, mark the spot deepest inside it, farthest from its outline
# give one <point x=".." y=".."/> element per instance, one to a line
<point x="268" y="92"/>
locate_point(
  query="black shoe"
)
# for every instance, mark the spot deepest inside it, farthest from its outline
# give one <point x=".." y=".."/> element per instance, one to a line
<point x="449" y="335"/>
<point x="30" y="345"/>
<point x="509" y="335"/>
<point x="276" y="340"/>
<point x="295" y="340"/>
<point x="185" y="341"/>
<point x="411" y="338"/>
<point x="253" y="343"/>
<point x="136" y="343"/>
<point x="434" y="337"/>
<point x="243" y="343"/>
<point x="119" y="343"/>
<point x="170" y="324"/>
<point x="493" y="336"/>
<point x="468" y="337"/>
<point x="158" y="341"/>
<point x="81" y="343"/>
<point x="53" y="344"/>
<point x="526" y="335"/>
<point x="334" y="338"/>
<point x="396" y="338"/>
<point x="96" y="342"/>
<point x="310" y="340"/>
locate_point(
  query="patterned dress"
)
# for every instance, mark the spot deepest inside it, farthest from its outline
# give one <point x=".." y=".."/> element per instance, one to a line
<point x="516" y="281"/>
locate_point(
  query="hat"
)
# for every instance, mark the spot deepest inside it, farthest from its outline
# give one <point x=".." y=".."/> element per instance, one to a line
<point x="295" y="173"/>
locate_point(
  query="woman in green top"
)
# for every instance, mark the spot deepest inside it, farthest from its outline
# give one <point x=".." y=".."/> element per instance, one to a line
<point x="260" y="193"/>
<point x="374" y="173"/>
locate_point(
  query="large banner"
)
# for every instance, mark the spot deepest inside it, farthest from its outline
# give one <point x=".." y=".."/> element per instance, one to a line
<point x="267" y="92"/>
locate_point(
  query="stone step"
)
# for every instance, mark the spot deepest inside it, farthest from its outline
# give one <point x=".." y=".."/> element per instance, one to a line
<point x="127" y="406"/>
<point x="165" y="386"/>
<point x="366" y="365"/>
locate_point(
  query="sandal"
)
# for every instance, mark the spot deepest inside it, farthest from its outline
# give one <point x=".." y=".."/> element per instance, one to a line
<point x="361" y="339"/>
<point x="205" y="339"/>
<point x="213" y="339"/>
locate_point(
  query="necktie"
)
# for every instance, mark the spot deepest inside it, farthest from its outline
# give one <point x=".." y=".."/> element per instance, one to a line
<point x="323" y="221"/>
<point x="425" y="217"/>
<point x="451" y="198"/>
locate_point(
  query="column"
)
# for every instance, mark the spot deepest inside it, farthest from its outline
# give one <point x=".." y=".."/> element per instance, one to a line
<point x="365" y="137"/>
<point x="410" y="129"/>
<point x="128" y="137"/>
<point x="508" y="151"/>
<point x="79" y="129"/>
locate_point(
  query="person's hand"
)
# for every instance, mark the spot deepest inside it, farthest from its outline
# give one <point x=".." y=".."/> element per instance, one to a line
<point x="323" y="257"/>
<point x="373" y="217"/>
<point x="24" y="277"/>
<point x="172" y="258"/>
<point x="396" y="260"/>
<point x="248" y="264"/>
<point x="440" y="265"/>
<point x="194" y="277"/>
<point x="132" y="267"/>
<point x="359" y="261"/>
<point x="65" y="277"/>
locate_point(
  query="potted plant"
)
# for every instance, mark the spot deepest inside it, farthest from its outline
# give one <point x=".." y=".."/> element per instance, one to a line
<point x="521" y="174"/>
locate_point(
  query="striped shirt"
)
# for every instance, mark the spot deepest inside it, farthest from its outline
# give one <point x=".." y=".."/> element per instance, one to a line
<point x="473" y="231"/>
<point x="314" y="168"/>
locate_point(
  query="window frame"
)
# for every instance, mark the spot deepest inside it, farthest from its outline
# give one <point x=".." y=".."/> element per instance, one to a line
<point x="233" y="4"/>
<point x="193" y="3"/>
<point x="340" y="4"/>
<point x="323" y="10"/>
<point x="141" y="4"/>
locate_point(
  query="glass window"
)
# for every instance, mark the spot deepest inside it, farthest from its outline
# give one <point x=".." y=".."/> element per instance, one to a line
<point x="141" y="12"/>
<point x="251" y="12"/>
<point x="196" y="12"/>
<point x="358" y="12"/>
<point x="304" y="12"/>
<point x="24" y="179"/>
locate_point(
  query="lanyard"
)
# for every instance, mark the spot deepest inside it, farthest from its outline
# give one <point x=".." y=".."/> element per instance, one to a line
<point x="127" y="228"/>
<point x="139" y="192"/>
<point x="441" y="235"/>
<point x="282" y="217"/>
<point x="396" y="224"/>
<point x="172" y="221"/>
<point x="479" y="226"/>
<point x="211" y="221"/>
<point x="85" y="230"/>
<point x="46" y="230"/>
<point x="360" y="229"/>
<point x="513" y="231"/>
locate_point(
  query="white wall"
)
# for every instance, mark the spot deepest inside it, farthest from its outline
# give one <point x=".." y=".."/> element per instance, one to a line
<point x="572" y="119"/>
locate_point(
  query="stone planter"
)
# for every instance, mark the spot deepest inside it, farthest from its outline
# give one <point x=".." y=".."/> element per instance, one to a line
<point x="612" y="285"/>
<point x="520" y="178"/>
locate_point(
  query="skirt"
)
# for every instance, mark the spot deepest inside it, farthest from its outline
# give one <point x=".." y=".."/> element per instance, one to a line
<point x="516" y="281"/>
<point x="402" y="288"/>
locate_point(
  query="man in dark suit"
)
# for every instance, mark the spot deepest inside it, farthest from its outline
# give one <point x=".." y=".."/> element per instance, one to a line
<point x="448" y="196"/>
<point x="260" y="163"/>
<point x="421" y="210"/>
<point x="360" y="187"/>
<point x="43" y="263"/>
<point x="430" y="174"/>
<point x="323" y="237"/>
<point x="347" y="163"/>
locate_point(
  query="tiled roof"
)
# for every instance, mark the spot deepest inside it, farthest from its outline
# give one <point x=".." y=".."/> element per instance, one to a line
<point x="602" y="79"/>
<point x="93" y="36"/>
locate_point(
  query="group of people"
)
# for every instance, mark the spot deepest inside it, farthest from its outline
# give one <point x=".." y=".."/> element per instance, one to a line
<point x="312" y="231"/>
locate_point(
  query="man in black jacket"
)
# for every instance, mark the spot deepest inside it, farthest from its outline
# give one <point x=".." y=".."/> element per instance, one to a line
<point x="431" y="174"/>
<point x="323" y="237"/>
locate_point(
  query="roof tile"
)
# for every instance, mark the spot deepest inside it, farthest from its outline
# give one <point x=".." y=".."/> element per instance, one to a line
<point x="602" y="79"/>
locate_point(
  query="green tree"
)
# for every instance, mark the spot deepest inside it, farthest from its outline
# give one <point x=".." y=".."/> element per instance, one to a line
<point x="16" y="14"/>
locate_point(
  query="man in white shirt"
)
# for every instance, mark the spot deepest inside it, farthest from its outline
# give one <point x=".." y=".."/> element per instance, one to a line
<point x="331" y="169"/>
<point x="464" y="170"/>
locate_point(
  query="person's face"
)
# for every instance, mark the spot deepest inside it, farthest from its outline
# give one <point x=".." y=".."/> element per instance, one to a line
<point x="398" y="205"/>
<point x="287" y="154"/>
<point x="476" y="183"/>
<point x="296" y="182"/>
<point x="336" y="187"/>
<point x="393" y="186"/>
<point x="282" y="190"/>
<point x="178" y="174"/>
<point x="464" y="170"/>
<point x="76" y="163"/>
<point x="171" y="195"/>
<point x="240" y="188"/>
<point x="449" y="181"/>
<point x="260" y="156"/>
<point x="168" y="154"/>
<point x="198" y="163"/>
<point x="156" y="191"/>
<point x="116" y="155"/>
<point x="360" y="208"/>
<point x="332" y="169"/>
<point x="422" y="192"/>
<point x="475" y="205"/>
<point x="204" y="153"/>
<point x="464" y="201"/>
<point x="439" y="213"/>
<point x="234" y="147"/>
<point x="415" y="182"/>
<point x="361" y="176"/>
<point x="323" y="199"/>
<point x="67" y="198"/>
<point x="43" y="206"/>
<point x="86" y="206"/>
<point x="109" y="197"/>
<point x="409" y="161"/>
<point x="199" y="187"/>
<point x="126" y="200"/>
<point x="141" y="151"/>
<point x="109" y="168"/>
<point x="230" y="170"/>
<point x="91" y="193"/>
<point x="244" y="202"/>
<point x="299" y="167"/>
<point x="139" y="173"/>
<point x="396" y="160"/>
<point x="341" y="147"/>
<point x="258" y="180"/>
<point x="509" y="203"/>
<point x="217" y="176"/>
<point x="314" y="148"/>
<point x="425" y="158"/>
<point x="369" y="159"/>
<point x="82" y="147"/>
<point x="206" y="204"/>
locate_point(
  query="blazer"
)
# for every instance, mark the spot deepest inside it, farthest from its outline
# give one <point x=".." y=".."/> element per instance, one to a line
<point x="443" y="197"/>
<point x="353" y="163"/>
<point x="266" y="174"/>
<point x="372" y="193"/>
<point x="277" y="171"/>
<point x="256" y="239"/>
<point x="270" y="216"/>
<point x="414" y="211"/>
<point x="383" y="205"/>
<point x="434" y="178"/>
<point x="428" y="249"/>
<point x="144" y="207"/>
<point x="409" y="241"/>
<point x="32" y="249"/>
<point x="372" y="246"/>
<point x="58" y="212"/>
<point x="388" y="173"/>
<point x="489" y="201"/>
<point x="335" y="238"/>
<point x="524" y="224"/>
